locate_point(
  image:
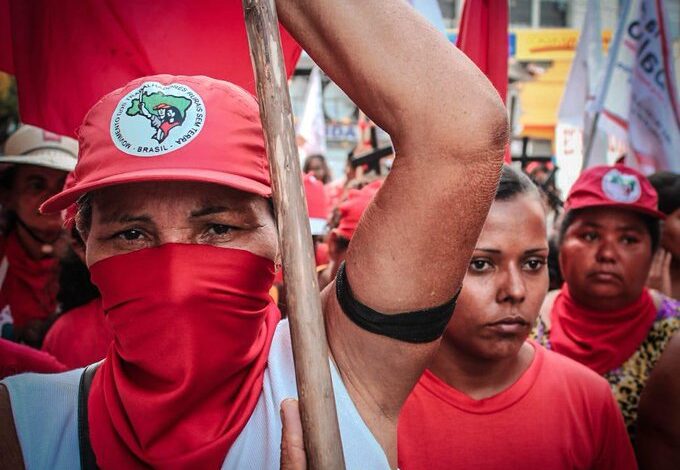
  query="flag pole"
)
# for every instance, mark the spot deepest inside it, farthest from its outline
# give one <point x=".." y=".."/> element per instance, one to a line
<point x="604" y="89"/>
<point x="310" y="349"/>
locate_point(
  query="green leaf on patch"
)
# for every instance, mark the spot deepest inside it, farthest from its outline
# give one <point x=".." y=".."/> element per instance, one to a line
<point x="154" y="99"/>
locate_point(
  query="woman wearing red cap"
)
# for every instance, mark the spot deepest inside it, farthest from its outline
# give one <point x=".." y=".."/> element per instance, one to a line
<point x="33" y="168"/>
<point x="490" y="399"/>
<point x="604" y="316"/>
<point x="181" y="241"/>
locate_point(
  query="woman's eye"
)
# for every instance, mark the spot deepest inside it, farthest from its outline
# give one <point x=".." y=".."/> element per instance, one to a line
<point x="479" y="265"/>
<point x="37" y="186"/>
<point x="589" y="236"/>
<point x="130" y="235"/>
<point x="627" y="240"/>
<point x="535" y="264"/>
<point x="220" y="229"/>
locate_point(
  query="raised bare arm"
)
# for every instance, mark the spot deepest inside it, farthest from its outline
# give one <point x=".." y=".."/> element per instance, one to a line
<point x="449" y="129"/>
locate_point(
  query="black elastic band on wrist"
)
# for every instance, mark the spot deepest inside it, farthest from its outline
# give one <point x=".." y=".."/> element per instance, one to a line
<point x="422" y="326"/>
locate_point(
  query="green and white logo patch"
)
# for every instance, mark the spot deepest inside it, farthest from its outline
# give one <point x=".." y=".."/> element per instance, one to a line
<point x="621" y="187"/>
<point x="155" y="119"/>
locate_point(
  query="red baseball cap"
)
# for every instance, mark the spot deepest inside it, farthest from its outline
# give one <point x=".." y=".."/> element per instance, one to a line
<point x="614" y="186"/>
<point x="217" y="138"/>
<point x="353" y="208"/>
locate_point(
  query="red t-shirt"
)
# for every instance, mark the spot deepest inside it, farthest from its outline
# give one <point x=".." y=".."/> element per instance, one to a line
<point x="558" y="415"/>
<point x="80" y="337"/>
<point x="29" y="287"/>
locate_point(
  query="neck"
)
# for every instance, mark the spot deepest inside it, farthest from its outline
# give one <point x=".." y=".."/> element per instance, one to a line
<point x="476" y="376"/>
<point x="34" y="248"/>
<point x="605" y="304"/>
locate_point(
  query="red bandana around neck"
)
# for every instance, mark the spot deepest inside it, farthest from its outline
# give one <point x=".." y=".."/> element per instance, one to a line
<point x="600" y="339"/>
<point x="192" y="328"/>
<point x="30" y="286"/>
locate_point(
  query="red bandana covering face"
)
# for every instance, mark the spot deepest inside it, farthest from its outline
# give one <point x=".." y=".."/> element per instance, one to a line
<point x="192" y="329"/>
<point x="601" y="340"/>
<point x="30" y="287"/>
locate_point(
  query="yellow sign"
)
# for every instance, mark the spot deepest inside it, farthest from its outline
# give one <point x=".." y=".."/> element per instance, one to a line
<point x="549" y="43"/>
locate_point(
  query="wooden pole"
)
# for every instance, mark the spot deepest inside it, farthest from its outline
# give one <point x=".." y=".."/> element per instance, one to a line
<point x="310" y="349"/>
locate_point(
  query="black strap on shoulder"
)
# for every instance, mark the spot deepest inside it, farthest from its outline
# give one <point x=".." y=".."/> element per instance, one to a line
<point x="422" y="326"/>
<point x="87" y="458"/>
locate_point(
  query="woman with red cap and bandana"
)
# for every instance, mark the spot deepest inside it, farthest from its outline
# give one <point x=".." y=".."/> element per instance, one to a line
<point x="604" y="316"/>
<point x="181" y="241"/>
<point x="33" y="168"/>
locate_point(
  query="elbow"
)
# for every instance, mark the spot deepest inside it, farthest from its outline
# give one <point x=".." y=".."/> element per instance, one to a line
<point x="478" y="134"/>
<point x="494" y="130"/>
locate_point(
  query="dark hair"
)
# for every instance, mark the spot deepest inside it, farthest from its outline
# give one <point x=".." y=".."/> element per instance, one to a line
<point x="7" y="217"/>
<point x="651" y="224"/>
<point x="75" y="286"/>
<point x="7" y="177"/>
<point x="341" y="243"/>
<point x="322" y="159"/>
<point x="513" y="183"/>
<point x="178" y="115"/>
<point x="84" y="213"/>
<point x="667" y="186"/>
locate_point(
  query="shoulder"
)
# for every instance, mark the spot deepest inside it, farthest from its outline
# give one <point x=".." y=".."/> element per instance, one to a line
<point x="45" y="412"/>
<point x="669" y="363"/>
<point x="360" y="447"/>
<point x="71" y="318"/>
<point x="547" y="306"/>
<point x="665" y="306"/>
<point x="575" y="377"/>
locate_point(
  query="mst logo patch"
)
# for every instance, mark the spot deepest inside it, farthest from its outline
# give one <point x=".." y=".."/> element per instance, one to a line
<point x="621" y="187"/>
<point x="155" y="119"/>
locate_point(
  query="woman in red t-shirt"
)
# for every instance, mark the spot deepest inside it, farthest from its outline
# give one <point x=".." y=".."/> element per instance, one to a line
<point x="493" y="400"/>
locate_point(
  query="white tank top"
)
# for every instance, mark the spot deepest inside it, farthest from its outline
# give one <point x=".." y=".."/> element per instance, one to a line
<point x="45" y="409"/>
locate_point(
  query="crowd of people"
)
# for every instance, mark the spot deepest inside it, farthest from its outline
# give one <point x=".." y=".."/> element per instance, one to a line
<point x="474" y="319"/>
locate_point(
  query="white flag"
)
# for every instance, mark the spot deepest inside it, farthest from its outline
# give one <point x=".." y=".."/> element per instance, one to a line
<point x="312" y="128"/>
<point x="654" y="117"/>
<point x="575" y="115"/>
<point x="585" y="71"/>
<point x="638" y="99"/>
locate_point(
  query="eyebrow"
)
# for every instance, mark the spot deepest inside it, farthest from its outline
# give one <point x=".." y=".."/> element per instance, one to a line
<point x="530" y="251"/>
<point x="620" y="228"/>
<point x="125" y="218"/>
<point x="36" y="177"/>
<point x="588" y="223"/>
<point x="213" y="210"/>
<point x="488" y="250"/>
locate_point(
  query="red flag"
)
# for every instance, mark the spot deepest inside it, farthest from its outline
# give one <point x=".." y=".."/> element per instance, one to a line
<point x="6" y="59"/>
<point x="483" y="37"/>
<point x="68" y="54"/>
